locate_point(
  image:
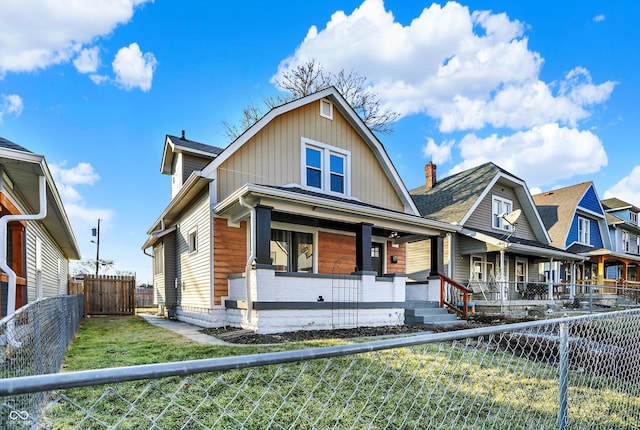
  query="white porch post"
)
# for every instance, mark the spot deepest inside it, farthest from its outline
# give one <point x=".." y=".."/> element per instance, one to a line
<point x="572" y="285"/>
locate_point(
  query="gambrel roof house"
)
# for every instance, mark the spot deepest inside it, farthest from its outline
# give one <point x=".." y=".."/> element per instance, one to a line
<point x="37" y="241"/>
<point x="487" y="247"/>
<point x="622" y="219"/>
<point x="300" y="223"/>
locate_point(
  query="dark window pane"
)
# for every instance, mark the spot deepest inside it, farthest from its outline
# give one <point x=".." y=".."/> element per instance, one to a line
<point x="337" y="183"/>
<point x="314" y="178"/>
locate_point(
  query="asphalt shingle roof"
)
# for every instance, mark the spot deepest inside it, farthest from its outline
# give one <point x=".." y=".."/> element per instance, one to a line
<point x="452" y="197"/>
<point x="556" y="208"/>
<point x="4" y="143"/>
<point x="197" y="146"/>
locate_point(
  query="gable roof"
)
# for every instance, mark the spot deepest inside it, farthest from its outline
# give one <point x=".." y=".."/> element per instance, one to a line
<point x="558" y="207"/>
<point x="454" y="198"/>
<point x="23" y="168"/>
<point x="174" y="145"/>
<point x="351" y="117"/>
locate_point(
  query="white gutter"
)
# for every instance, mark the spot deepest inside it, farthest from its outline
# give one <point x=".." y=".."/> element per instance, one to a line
<point x="11" y="288"/>
<point x="252" y="254"/>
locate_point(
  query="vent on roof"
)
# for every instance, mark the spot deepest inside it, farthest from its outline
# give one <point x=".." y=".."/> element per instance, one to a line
<point x="183" y="138"/>
<point x="326" y="109"/>
<point x="548" y="193"/>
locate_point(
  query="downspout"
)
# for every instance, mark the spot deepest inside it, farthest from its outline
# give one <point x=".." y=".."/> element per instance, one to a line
<point x="252" y="254"/>
<point x="11" y="287"/>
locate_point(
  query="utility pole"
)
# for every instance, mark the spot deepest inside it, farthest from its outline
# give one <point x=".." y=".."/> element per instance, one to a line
<point x="97" y="232"/>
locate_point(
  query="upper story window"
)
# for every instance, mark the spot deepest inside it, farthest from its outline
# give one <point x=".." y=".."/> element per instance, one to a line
<point x="633" y="217"/>
<point x="584" y="231"/>
<point x="625" y="241"/>
<point x="501" y="207"/>
<point x="325" y="168"/>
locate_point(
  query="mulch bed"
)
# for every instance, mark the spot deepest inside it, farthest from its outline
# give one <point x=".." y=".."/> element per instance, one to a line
<point x="248" y="337"/>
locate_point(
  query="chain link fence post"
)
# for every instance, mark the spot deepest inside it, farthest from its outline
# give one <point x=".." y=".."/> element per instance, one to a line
<point x="564" y="376"/>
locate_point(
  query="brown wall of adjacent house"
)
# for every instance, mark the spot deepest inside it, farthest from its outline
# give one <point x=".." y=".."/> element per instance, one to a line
<point x="229" y="254"/>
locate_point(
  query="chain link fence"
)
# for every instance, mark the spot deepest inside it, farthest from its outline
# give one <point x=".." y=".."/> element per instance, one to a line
<point x="570" y="373"/>
<point x="33" y="341"/>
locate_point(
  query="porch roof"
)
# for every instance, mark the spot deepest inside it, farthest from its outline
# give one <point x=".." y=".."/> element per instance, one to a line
<point x="301" y="202"/>
<point x="521" y="246"/>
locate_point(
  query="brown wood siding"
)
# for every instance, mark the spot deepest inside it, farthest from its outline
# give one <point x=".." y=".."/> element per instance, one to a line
<point x="401" y="253"/>
<point x="481" y="219"/>
<point x="229" y="253"/>
<point x="273" y="157"/>
<point x="337" y="253"/>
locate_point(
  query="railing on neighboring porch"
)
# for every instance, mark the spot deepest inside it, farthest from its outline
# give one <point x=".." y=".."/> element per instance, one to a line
<point x="455" y="296"/>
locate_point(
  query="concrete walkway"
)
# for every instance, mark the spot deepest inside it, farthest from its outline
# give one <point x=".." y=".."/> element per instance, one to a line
<point x="187" y="330"/>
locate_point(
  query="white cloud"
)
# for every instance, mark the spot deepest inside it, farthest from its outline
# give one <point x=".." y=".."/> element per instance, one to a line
<point x="467" y="70"/>
<point x="10" y="104"/>
<point x="134" y="69"/>
<point x="542" y="155"/>
<point x="67" y="179"/>
<point x="88" y="60"/>
<point x="599" y="18"/>
<point x="627" y="189"/>
<point x="63" y="28"/>
<point x="438" y="153"/>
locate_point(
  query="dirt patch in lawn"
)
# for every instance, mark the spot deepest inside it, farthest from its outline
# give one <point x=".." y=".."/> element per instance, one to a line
<point x="248" y="337"/>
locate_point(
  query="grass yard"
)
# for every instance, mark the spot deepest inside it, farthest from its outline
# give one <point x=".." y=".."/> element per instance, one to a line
<point x="450" y="385"/>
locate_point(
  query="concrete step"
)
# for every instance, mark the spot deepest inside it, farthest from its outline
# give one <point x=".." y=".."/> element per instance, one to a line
<point x="430" y="315"/>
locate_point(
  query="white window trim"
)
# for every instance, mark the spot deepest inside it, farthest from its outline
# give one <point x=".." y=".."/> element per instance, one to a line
<point x="326" y="151"/>
<point x="586" y="233"/>
<point x="325" y="102"/>
<point x="504" y="226"/>
<point x="192" y="249"/>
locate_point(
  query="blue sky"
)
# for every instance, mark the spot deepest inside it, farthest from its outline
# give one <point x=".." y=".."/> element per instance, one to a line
<point x="547" y="90"/>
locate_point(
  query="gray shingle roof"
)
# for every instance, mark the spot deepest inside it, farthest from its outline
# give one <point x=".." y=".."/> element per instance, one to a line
<point x="4" y="143"/>
<point x="614" y="203"/>
<point x="197" y="146"/>
<point x="451" y="198"/>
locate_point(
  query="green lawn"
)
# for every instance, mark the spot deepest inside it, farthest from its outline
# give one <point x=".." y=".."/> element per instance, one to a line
<point x="450" y="385"/>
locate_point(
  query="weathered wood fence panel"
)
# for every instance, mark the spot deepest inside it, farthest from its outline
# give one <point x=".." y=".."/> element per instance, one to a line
<point x="109" y="295"/>
<point x="144" y="297"/>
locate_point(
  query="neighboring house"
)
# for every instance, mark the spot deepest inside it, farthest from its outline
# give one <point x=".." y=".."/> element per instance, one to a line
<point x="576" y="223"/>
<point x="501" y="241"/>
<point x="36" y="244"/>
<point x="622" y="219"/>
<point x="300" y="223"/>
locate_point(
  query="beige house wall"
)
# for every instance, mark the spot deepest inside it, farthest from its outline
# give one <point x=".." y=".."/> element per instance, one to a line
<point x="273" y="157"/>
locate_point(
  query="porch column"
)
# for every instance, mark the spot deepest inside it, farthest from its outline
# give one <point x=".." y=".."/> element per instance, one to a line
<point x="363" y="248"/>
<point x="437" y="255"/>
<point x="263" y="235"/>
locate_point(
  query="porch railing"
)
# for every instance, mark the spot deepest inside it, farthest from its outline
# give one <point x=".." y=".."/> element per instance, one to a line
<point x="455" y="296"/>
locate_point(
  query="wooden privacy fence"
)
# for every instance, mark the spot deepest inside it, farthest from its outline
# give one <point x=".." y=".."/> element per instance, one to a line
<point x="109" y="295"/>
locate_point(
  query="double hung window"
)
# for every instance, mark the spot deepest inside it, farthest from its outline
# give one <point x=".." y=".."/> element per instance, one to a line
<point x="584" y="231"/>
<point x="501" y="207"/>
<point x="325" y="168"/>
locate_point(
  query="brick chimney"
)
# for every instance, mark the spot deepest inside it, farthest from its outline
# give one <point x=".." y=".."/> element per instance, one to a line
<point x="429" y="175"/>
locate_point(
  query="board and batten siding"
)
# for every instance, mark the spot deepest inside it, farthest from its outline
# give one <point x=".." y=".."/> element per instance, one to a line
<point x="55" y="266"/>
<point x="273" y="157"/>
<point x="482" y="217"/>
<point x="193" y="268"/>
